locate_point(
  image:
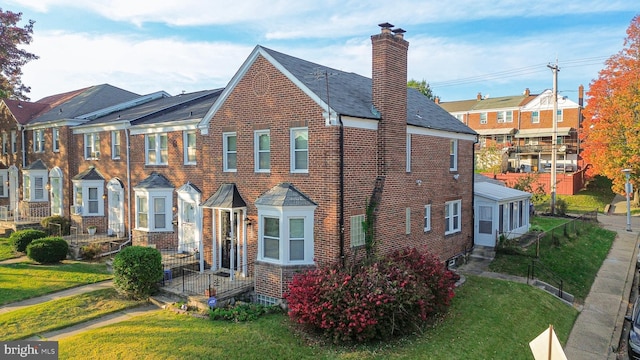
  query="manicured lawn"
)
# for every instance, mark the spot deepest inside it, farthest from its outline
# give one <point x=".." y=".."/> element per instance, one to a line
<point x="575" y="259"/>
<point x="6" y="250"/>
<point x="596" y="195"/>
<point x="488" y="319"/>
<point x="57" y="314"/>
<point x="27" y="280"/>
<point x="546" y="223"/>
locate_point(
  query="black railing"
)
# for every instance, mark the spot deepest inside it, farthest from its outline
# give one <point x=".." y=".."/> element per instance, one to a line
<point x="537" y="267"/>
<point x="219" y="284"/>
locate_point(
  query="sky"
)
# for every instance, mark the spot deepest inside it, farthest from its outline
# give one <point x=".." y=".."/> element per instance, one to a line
<point x="461" y="47"/>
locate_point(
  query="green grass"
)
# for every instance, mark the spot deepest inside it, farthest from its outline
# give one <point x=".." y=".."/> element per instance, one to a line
<point x="546" y="223"/>
<point x="575" y="259"/>
<point x="488" y="319"/>
<point x="25" y="280"/>
<point x="6" y="250"/>
<point x="57" y="314"/>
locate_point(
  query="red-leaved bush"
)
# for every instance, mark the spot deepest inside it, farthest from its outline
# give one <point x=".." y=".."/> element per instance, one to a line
<point x="392" y="296"/>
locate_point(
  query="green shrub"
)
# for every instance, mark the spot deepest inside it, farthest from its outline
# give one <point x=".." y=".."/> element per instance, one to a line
<point x="21" y="238"/>
<point x="56" y="225"/>
<point x="91" y="251"/>
<point x="242" y="312"/>
<point x="137" y="271"/>
<point x="48" y="250"/>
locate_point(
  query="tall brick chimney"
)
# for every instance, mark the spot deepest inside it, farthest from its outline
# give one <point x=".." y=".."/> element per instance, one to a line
<point x="389" y="91"/>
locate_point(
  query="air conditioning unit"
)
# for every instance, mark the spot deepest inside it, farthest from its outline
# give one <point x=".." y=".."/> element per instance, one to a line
<point x="77" y="209"/>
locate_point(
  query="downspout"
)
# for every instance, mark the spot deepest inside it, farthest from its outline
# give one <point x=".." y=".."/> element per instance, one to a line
<point x="126" y="136"/>
<point x="341" y="191"/>
<point x="473" y="196"/>
<point x="24" y="148"/>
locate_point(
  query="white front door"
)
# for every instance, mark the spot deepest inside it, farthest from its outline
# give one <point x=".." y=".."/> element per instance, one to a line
<point x="115" y="196"/>
<point x="187" y="227"/>
<point x="13" y="188"/>
<point x="485" y="233"/>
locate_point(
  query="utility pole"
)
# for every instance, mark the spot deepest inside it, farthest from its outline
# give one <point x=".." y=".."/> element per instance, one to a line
<point x="554" y="135"/>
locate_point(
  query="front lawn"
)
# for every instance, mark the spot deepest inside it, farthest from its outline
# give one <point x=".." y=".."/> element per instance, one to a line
<point x="575" y="259"/>
<point x="6" y="250"/>
<point x="488" y="319"/>
<point x="60" y="313"/>
<point x="26" y="280"/>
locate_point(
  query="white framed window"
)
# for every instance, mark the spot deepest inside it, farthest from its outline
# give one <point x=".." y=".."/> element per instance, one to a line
<point x="535" y="117"/>
<point x="483" y="118"/>
<point x="115" y="145"/>
<point x="357" y="230"/>
<point x="262" y="146"/>
<point x="229" y="152"/>
<point x="460" y="117"/>
<point x="38" y="140"/>
<point x="189" y="141"/>
<point x="500" y="117"/>
<point x="285" y="234"/>
<point x="33" y="185"/>
<point x="408" y="152"/>
<point x="559" y="115"/>
<point x="92" y="146"/>
<point x="452" y="223"/>
<point x="153" y="209"/>
<point x="55" y="139"/>
<point x="427" y="218"/>
<point x="299" y="150"/>
<point x="14" y="142"/>
<point x="5" y="143"/>
<point x="88" y="197"/>
<point x="156" y="149"/>
<point x="453" y="155"/>
<point x="4" y="177"/>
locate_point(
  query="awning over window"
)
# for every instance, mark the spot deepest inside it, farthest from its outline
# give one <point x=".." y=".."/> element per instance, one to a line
<point x="227" y="197"/>
<point x="501" y="131"/>
<point x="284" y="194"/>
<point x="545" y="132"/>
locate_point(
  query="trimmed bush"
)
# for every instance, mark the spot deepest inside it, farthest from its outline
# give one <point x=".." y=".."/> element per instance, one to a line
<point x="48" y="250"/>
<point x="91" y="251"/>
<point x="56" y="223"/>
<point x="393" y="296"/>
<point x="21" y="238"/>
<point x="137" y="271"/>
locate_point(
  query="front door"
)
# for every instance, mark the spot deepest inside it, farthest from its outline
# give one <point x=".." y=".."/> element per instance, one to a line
<point x="116" y="208"/>
<point x="187" y="227"/>
<point x="484" y="226"/>
<point x="13" y="188"/>
<point x="228" y="238"/>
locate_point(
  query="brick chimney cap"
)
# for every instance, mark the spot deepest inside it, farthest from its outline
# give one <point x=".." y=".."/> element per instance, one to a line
<point x="385" y="25"/>
<point x="398" y="31"/>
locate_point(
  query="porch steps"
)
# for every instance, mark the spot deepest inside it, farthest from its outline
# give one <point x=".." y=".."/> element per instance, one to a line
<point x="163" y="299"/>
<point x="483" y="253"/>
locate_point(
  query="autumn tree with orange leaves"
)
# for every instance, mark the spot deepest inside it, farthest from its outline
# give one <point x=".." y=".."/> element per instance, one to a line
<point x="611" y="127"/>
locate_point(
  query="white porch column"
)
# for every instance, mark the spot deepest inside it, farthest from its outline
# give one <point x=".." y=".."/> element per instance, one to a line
<point x="244" y="243"/>
<point x="214" y="241"/>
<point x="232" y="248"/>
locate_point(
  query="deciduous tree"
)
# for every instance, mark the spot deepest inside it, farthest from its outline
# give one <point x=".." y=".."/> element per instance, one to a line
<point x="611" y="128"/>
<point x="12" y="56"/>
<point x="422" y="86"/>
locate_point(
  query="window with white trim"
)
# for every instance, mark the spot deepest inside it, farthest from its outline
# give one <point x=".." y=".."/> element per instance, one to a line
<point x="559" y="115"/>
<point x="5" y="143"/>
<point x="408" y="152"/>
<point x="156" y="149"/>
<point x="88" y="197"/>
<point x="55" y="143"/>
<point x="299" y="150"/>
<point x="271" y="237"/>
<point x="33" y="185"/>
<point x="427" y="218"/>
<point x="262" y="146"/>
<point x="229" y="152"/>
<point x="285" y="234"/>
<point x="38" y="140"/>
<point x="115" y="145"/>
<point x="357" y="230"/>
<point x="483" y="118"/>
<point x="189" y="141"/>
<point x="14" y="142"/>
<point x="4" y="177"/>
<point x="153" y="209"/>
<point x="453" y="155"/>
<point x="535" y="117"/>
<point x="92" y="146"/>
<point x="452" y="223"/>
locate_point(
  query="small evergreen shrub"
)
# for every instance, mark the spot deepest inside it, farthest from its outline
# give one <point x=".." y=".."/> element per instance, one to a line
<point x="137" y="271"/>
<point x="21" y="238"/>
<point x="48" y="250"/>
<point x="242" y="312"/>
<point x="56" y="225"/>
<point x="392" y="296"/>
<point x="91" y="251"/>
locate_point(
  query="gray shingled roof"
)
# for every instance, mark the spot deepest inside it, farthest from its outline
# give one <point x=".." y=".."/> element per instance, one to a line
<point x="90" y="174"/>
<point x="284" y="194"/>
<point x="36" y="165"/>
<point x="350" y="94"/>
<point x="227" y="196"/>
<point x="503" y="102"/>
<point x="90" y="100"/>
<point x="154" y="181"/>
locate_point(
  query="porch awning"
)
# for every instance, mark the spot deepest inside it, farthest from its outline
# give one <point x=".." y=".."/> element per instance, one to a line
<point x="226" y="197"/>
<point x="284" y="194"/>
<point x="545" y="132"/>
<point x="500" y="131"/>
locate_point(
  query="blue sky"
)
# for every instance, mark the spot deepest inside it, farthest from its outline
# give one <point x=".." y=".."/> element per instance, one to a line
<point x="497" y="47"/>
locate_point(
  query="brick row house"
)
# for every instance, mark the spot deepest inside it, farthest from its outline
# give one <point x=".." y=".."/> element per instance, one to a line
<point x="272" y="174"/>
<point x="522" y="126"/>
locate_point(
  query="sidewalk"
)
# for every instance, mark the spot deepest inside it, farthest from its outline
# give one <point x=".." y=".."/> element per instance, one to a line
<point x="598" y="328"/>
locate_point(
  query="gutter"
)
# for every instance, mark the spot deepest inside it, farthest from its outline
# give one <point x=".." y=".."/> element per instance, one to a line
<point x="24" y="148"/>
<point x="126" y="136"/>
